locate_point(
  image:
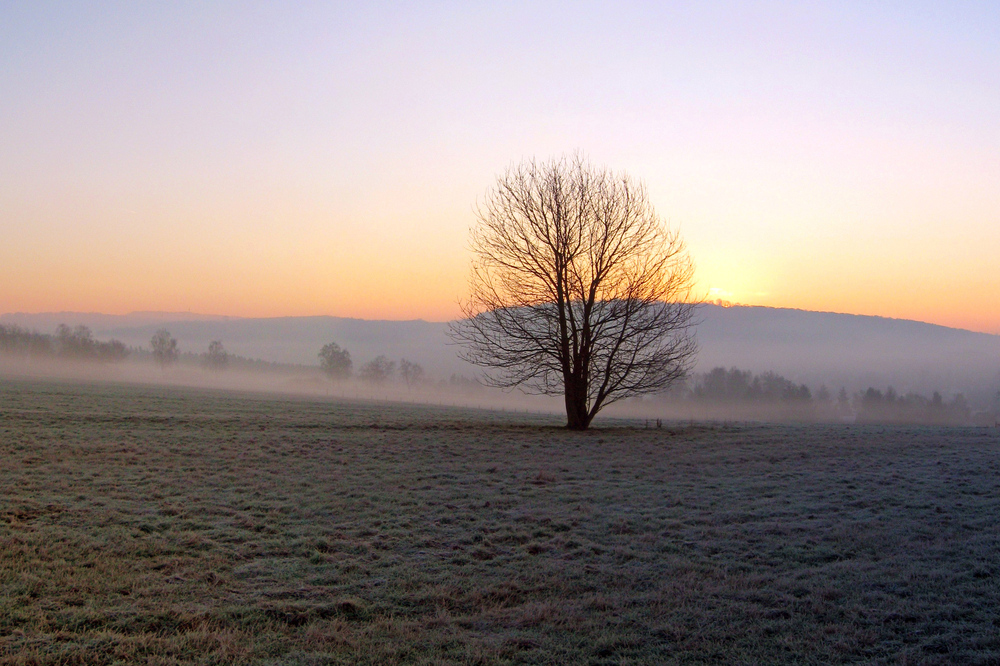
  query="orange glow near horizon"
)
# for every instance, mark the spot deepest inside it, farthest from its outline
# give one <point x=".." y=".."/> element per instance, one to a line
<point x="326" y="159"/>
<point x="354" y="259"/>
<point x="284" y="259"/>
<point x="401" y="292"/>
<point x="363" y="286"/>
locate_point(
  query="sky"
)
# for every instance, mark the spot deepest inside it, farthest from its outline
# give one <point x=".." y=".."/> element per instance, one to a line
<point x="279" y="159"/>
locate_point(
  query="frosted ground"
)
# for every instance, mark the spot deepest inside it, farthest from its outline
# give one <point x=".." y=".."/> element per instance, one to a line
<point x="169" y="525"/>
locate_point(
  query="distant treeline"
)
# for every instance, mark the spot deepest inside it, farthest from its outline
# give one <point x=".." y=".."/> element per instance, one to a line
<point x="75" y="343"/>
<point x="874" y="406"/>
<point x="734" y="385"/>
<point x="336" y="363"/>
<point x="78" y="343"/>
<point x="734" y="393"/>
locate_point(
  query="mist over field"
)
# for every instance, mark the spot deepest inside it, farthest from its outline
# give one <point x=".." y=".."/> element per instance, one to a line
<point x="820" y="351"/>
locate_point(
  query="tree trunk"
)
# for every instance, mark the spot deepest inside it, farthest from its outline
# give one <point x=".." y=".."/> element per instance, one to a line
<point x="577" y="415"/>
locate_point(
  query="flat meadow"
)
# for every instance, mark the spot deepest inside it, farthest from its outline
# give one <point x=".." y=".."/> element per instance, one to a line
<point x="167" y="525"/>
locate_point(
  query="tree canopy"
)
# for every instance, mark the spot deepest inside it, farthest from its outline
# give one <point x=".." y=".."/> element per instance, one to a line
<point x="577" y="288"/>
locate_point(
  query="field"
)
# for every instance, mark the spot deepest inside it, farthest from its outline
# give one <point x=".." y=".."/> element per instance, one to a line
<point x="163" y="525"/>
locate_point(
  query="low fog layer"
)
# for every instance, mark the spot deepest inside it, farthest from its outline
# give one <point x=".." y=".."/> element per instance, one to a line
<point x="277" y="378"/>
<point x="809" y="348"/>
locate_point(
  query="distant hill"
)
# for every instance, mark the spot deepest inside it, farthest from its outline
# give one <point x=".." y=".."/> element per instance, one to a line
<point x="850" y="350"/>
<point x="46" y="322"/>
<point x="808" y="347"/>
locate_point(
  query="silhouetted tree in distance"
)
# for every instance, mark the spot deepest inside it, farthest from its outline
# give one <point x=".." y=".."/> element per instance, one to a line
<point x="217" y="358"/>
<point x="164" y="347"/>
<point x="334" y="361"/>
<point x="720" y="384"/>
<point x="874" y="406"/>
<point x="412" y="373"/>
<point x="73" y="342"/>
<point x="843" y="404"/>
<point x="16" y="340"/>
<point x="378" y="370"/>
<point x="734" y="385"/>
<point x="577" y="288"/>
<point x="78" y="343"/>
<point x="111" y="351"/>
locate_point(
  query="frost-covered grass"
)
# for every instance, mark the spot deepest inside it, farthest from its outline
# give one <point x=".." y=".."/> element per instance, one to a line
<point x="144" y="525"/>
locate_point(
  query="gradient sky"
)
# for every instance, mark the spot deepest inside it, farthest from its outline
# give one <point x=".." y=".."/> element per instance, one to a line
<point x="256" y="159"/>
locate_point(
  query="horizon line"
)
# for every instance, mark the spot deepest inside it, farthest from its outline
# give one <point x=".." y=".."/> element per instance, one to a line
<point x="204" y="316"/>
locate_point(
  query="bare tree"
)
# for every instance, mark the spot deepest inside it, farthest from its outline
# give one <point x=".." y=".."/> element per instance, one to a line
<point x="111" y="351"/>
<point x="79" y="343"/>
<point x="217" y="358"/>
<point x="577" y="288"/>
<point x="378" y="370"/>
<point x="20" y="341"/>
<point x="164" y="347"/>
<point x="412" y="373"/>
<point x="336" y="362"/>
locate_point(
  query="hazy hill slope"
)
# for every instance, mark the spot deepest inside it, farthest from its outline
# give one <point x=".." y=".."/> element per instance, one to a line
<point x="849" y="350"/>
<point x="46" y="322"/>
<point x="812" y="347"/>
